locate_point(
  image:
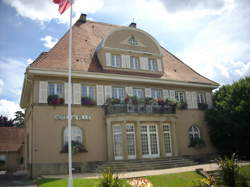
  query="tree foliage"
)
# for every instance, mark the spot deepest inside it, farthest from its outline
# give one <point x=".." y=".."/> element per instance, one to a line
<point x="18" y="121"/>
<point x="5" y="122"/>
<point x="229" y="120"/>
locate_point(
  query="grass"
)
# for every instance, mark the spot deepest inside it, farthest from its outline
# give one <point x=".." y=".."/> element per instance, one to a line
<point x="169" y="180"/>
<point x="245" y="170"/>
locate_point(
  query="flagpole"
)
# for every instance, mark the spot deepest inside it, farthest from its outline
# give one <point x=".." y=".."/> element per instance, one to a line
<point x="70" y="180"/>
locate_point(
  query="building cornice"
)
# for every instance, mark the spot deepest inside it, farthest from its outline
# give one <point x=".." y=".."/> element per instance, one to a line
<point x="115" y="77"/>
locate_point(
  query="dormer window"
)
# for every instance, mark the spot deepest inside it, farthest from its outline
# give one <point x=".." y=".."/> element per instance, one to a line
<point x="116" y="61"/>
<point x="134" y="62"/>
<point x="133" y="41"/>
<point x="152" y="65"/>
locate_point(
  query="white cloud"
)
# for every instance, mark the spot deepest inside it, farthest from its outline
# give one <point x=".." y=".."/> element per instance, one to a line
<point x="29" y="61"/>
<point x="49" y="41"/>
<point x="1" y="86"/>
<point x="46" y="10"/>
<point x="8" y="108"/>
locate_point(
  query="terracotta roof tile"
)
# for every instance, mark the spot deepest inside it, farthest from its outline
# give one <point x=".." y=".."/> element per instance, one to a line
<point x="86" y="38"/>
<point x="11" y="138"/>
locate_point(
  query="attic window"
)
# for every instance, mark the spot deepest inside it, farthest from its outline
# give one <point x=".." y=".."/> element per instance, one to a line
<point x="133" y="41"/>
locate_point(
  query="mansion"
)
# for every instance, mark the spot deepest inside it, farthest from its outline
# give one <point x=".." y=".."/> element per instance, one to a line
<point x="131" y="99"/>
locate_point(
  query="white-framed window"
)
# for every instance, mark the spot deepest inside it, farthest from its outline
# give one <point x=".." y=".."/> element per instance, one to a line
<point x="130" y="132"/>
<point x="194" y="132"/>
<point x="138" y="92"/>
<point x="152" y="64"/>
<point x="180" y="96"/>
<point x="76" y="135"/>
<point x="118" y="92"/>
<point x="156" y="93"/>
<point x="134" y="62"/>
<point x="132" y="41"/>
<point x="201" y="97"/>
<point x="116" y="61"/>
<point x="88" y="91"/>
<point x="56" y="89"/>
<point x="117" y="142"/>
<point x="167" y="139"/>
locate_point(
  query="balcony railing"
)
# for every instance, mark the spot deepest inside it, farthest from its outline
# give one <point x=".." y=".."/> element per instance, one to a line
<point x="140" y="108"/>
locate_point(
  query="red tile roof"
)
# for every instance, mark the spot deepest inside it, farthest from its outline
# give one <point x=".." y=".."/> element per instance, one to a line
<point x="11" y="138"/>
<point x="86" y="38"/>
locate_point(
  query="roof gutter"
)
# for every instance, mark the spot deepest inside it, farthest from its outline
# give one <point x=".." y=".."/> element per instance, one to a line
<point x="115" y="77"/>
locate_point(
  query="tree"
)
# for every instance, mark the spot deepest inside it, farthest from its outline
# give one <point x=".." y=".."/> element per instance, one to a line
<point x="19" y="119"/>
<point x="5" y="122"/>
<point x="229" y="120"/>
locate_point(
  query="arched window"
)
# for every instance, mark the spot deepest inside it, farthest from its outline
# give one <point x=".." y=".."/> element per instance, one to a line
<point x="76" y="135"/>
<point x="132" y="41"/>
<point x="194" y="132"/>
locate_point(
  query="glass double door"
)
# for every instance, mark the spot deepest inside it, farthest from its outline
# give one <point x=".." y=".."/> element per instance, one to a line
<point x="149" y="141"/>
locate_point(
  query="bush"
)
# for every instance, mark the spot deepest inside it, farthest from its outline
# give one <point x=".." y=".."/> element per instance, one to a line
<point x="109" y="180"/>
<point x="76" y="148"/>
<point x="87" y="101"/>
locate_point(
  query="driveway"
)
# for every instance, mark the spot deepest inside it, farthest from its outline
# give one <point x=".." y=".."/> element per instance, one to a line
<point x="10" y="180"/>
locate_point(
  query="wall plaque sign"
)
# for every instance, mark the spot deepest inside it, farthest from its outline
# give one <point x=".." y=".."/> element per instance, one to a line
<point x="74" y="117"/>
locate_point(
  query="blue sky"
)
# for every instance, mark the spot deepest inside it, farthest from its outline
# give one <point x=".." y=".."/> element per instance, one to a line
<point x="211" y="36"/>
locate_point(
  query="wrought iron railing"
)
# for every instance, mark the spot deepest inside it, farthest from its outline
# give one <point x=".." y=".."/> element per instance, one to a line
<point x="139" y="108"/>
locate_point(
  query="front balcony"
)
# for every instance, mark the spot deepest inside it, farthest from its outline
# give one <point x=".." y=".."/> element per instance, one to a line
<point x="139" y="109"/>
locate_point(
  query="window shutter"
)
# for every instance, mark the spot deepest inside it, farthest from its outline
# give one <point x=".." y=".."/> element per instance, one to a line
<point x="99" y="95"/>
<point x="144" y="63"/>
<point x="194" y="100"/>
<point x="129" y="91"/>
<point x="189" y="100"/>
<point x="159" y="64"/>
<point x="108" y="92"/>
<point x="77" y="93"/>
<point x="43" y="91"/>
<point x="123" y="59"/>
<point x="209" y="100"/>
<point x="166" y="94"/>
<point x="66" y="93"/>
<point x="148" y="92"/>
<point x="172" y="94"/>
<point x="127" y="59"/>
<point x="108" y="59"/>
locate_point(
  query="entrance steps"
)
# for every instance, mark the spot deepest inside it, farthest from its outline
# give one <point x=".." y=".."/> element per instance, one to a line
<point x="144" y="164"/>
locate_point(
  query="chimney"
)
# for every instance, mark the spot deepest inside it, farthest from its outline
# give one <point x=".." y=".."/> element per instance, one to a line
<point x="83" y="18"/>
<point x="132" y="24"/>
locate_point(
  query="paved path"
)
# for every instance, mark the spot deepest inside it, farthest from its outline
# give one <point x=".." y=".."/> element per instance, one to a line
<point x="10" y="180"/>
<point x="206" y="167"/>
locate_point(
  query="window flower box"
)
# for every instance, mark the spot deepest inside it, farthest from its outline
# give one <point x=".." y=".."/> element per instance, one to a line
<point x="202" y="106"/>
<point x="87" y="101"/>
<point x="77" y="147"/>
<point x="55" y="100"/>
<point x="113" y="101"/>
<point x="182" y="105"/>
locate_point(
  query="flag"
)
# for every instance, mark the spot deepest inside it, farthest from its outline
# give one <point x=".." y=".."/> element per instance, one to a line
<point x="63" y="5"/>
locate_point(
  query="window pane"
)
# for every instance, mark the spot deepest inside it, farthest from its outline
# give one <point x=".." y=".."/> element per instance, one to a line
<point x="84" y="91"/>
<point x="51" y="90"/>
<point x="92" y="92"/>
<point x="76" y="134"/>
<point x="60" y="90"/>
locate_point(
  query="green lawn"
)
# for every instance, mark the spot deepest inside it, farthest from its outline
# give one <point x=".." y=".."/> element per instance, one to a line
<point x="170" y="180"/>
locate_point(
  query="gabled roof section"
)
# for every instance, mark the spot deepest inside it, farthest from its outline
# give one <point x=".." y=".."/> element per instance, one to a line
<point x="11" y="138"/>
<point x="87" y="37"/>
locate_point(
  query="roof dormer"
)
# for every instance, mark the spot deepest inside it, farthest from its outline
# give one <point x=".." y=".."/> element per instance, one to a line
<point x="130" y="49"/>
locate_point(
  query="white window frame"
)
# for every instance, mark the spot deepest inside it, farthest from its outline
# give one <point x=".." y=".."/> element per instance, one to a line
<point x="88" y="91"/>
<point x="167" y="132"/>
<point x="116" y="61"/>
<point x="56" y="85"/>
<point x="117" y="92"/>
<point x="136" y="92"/>
<point x="131" y="133"/>
<point x="180" y="96"/>
<point x="152" y="64"/>
<point x="156" y="93"/>
<point x="133" y="41"/>
<point x="134" y="62"/>
<point x="76" y="135"/>
<point x="119" y="133"/>
<point x="201" y="97"/>
<point x="194" y="132"/>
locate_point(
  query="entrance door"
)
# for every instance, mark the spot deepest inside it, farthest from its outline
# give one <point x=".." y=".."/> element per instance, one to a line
<point x="130" y="132"/>
<point x="167" y="139"/>
<point x="117" y="142"/>
<point x="149" y="141"/>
